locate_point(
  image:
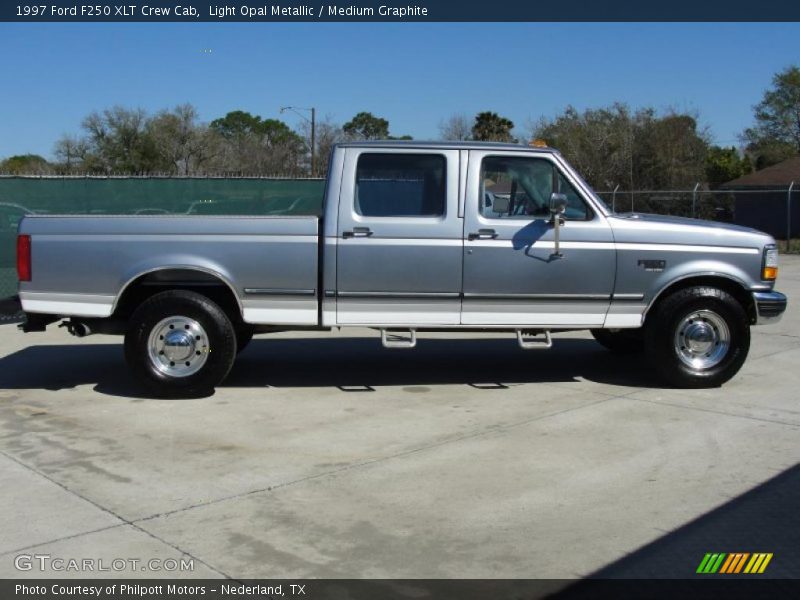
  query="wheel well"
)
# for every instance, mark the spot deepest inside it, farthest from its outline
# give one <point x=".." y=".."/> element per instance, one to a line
<point x="734" y="288"/>
<point x="149" y="284"/>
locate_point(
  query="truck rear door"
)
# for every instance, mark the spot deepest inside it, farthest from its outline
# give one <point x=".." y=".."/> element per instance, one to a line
<point x="400" y="239"/>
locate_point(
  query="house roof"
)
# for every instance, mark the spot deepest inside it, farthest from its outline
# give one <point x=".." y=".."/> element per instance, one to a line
<point x="781" y="175"/>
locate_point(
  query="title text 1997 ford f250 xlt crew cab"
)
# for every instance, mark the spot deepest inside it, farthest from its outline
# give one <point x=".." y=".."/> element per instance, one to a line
<point x="413" y="237"/>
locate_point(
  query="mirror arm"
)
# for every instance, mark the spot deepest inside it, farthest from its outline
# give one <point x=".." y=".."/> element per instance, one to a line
<point x="558" y="203"/>
<point x="557" y="221"/>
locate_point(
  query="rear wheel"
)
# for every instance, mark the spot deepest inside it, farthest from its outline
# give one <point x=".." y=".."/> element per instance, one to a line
<point x="180" y="344"/>
<point x="698" y="337"/>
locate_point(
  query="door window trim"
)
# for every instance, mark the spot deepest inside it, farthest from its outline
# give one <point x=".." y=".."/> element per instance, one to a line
<point x="592" y="213"/>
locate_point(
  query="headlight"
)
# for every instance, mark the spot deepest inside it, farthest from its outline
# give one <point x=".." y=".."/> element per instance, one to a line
<point x="769" y="269"/>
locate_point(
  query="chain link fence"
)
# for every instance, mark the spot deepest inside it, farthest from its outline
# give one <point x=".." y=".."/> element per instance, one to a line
<point x="769" y="209"/>
<point x="697" y="203"/>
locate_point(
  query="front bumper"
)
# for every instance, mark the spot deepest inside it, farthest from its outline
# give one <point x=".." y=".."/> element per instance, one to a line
<point x="770" y="307"/>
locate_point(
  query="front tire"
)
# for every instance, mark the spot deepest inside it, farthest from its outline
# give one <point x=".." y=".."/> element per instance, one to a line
<point x="698" y="337"/>
<point x="180" y="344"/>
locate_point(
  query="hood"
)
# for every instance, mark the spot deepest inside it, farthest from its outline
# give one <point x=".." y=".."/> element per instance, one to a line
<point x="640" y="227"/>
<point x="672" y="220"/>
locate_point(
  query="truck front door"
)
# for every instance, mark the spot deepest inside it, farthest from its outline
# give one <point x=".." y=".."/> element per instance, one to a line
<point x="399" y="246"/>
<point x="512" y="274"/>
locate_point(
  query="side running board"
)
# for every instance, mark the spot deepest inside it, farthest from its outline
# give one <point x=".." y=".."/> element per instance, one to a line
<point x="396" y="340"/>
<point x="535" y="342"/>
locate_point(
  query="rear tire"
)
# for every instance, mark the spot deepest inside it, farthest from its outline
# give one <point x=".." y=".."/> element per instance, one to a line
<point x="620" y="341"/>
<point x="180" y="344"/>
<point x="698" y="337"/>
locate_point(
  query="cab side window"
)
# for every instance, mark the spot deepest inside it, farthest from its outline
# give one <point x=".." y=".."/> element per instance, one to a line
<point x="400" y="185"/>
<point x="520" y="188"/>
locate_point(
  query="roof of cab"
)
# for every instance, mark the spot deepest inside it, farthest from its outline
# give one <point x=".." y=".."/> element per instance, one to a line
<point x="466" y="145"/>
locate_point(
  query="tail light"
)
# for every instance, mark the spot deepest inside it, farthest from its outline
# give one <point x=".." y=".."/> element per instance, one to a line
<point x="24" y="257"/>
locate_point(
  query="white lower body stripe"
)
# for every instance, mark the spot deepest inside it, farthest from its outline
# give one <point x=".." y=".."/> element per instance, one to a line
<point x="79" y="305"/>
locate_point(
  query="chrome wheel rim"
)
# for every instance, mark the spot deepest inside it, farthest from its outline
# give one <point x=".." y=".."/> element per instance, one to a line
<point x="702" y="339"/>
<point x="178" y="346"/>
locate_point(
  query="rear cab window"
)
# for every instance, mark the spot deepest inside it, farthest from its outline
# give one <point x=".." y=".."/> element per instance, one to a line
<point x="400" y="185"/>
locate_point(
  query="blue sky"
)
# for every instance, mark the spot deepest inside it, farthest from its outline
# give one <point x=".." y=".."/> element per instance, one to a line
<point x="412" y="74"/>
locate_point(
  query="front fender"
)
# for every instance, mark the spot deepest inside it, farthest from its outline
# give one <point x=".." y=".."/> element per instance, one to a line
<point x="698" y="268"/>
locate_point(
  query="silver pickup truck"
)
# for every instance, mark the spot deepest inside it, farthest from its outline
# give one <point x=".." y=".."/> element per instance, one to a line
<point x="414" y="237"/>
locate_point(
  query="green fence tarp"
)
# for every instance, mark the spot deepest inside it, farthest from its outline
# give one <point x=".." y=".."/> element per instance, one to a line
<point x="144" y="196"/>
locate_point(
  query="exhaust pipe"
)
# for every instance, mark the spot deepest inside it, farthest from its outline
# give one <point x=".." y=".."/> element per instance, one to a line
<point x="82" y="329"/>
<point x="77" y="328"/>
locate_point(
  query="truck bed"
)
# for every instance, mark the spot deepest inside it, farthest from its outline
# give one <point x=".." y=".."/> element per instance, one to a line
<point x="81" y="265"/>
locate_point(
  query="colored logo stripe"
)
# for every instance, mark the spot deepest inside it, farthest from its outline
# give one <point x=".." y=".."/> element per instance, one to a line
<point x="735" y="562"/>
<point x="758" y="563"/>
<point x="711" y="563"/>
<point x="723" y="563"/>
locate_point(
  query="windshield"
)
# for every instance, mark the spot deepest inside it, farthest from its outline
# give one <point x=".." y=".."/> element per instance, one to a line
<point x="586" y="186"/>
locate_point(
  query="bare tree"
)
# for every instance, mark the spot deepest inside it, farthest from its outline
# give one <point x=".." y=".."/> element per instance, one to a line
<point x="456" y="128"/>
<point x="186" y="145"/>
<point x="327" y="134"/>
<point x="119" y="139"/>
<point x="71" y="151"/>
<point x="129" y="141"/>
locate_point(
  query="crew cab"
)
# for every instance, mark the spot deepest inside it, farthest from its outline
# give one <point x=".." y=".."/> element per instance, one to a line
<point x="413" y="237"/>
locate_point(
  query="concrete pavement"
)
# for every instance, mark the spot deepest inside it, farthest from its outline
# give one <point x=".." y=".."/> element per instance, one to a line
<point x="324" y="455"/>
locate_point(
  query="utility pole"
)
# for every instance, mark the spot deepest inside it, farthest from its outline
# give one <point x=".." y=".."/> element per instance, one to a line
<point x="789" y="217"/>
<point x="313" y="140"/>
<point x="313" y="122"/>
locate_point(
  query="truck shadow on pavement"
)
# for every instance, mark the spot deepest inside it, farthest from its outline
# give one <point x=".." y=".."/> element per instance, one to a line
<point x="764" y="520"/>
<point x="355" y="364"/>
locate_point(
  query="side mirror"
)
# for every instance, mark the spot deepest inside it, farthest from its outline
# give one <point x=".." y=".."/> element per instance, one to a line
<point x="558" y="203"/>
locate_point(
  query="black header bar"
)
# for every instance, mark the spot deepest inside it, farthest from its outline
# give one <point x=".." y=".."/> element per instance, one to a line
<point x="698" y="588"/>
<point x="195" y="11"/>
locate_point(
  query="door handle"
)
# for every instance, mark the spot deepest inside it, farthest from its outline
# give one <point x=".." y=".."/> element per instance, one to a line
<point x="483" y="234"/>
<point x="357" y="232"/>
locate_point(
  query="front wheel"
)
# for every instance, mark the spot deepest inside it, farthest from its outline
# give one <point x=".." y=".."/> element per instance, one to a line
<point x="180" y="344"/>
<point x="698" y="337"/>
